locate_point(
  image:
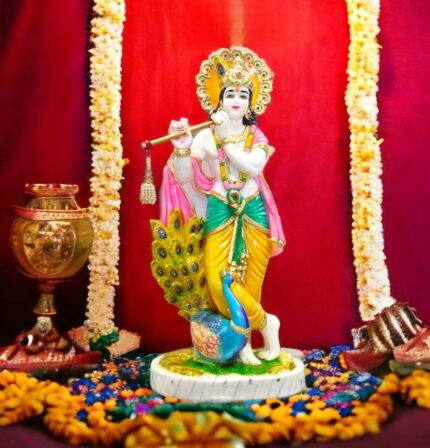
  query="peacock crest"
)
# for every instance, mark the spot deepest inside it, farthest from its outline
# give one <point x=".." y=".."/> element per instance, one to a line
<point x="177" y="264"/>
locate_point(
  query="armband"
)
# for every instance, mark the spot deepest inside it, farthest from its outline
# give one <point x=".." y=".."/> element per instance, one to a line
<point x="182" y="152"/>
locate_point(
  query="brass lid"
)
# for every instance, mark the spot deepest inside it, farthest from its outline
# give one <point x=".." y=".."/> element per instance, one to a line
<point x="51" y="190"/>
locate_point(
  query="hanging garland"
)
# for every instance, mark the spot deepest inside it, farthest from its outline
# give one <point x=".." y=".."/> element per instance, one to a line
<point x="373" y="284"/>
<point x="107" y="164"/>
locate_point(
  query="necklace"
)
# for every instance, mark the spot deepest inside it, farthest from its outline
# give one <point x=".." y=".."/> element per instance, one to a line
<point x="238" y="138"/>
<point x="246" y="136"/>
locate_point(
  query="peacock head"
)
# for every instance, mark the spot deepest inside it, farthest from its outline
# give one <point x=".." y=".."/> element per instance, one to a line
<point x="227" y="278"/>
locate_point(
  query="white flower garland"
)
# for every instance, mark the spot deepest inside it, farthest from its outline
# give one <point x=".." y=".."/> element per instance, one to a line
<point x="107" y="163"/>
<point x="373" y="284"/>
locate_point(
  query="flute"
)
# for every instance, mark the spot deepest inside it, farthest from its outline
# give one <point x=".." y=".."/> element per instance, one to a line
<point x="197" y="127"/>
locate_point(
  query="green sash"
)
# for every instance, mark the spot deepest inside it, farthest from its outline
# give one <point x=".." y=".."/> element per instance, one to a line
<point x="220" y="211"/>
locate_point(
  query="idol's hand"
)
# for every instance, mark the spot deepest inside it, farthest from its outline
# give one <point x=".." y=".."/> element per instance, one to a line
<point x="222" y="124"/>
<point x="185" y="141"/>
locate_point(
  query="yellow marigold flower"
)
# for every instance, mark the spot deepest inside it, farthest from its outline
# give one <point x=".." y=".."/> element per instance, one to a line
<point x="262" y="411"/>
<point x="390" y="385"/>
<point x="325" y="415"/>
<point x="22" y="396"/>
<point x="423" y="400"/>
<point x="345" y="433"/>
<point x="358" y="428"/>
<point x="325" y="432"/>
<point x="316" y="404"/>
<point x="298" y="397"/>
<point x="282" y="414"/>
<point x="416" y="387"/>
<point x="110" y="404"/>
<point x="304" y="428"/>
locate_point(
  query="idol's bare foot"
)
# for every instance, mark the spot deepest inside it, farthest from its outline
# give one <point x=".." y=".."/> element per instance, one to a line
<point x="270" y="333"/>
<point x="247" y="356"/>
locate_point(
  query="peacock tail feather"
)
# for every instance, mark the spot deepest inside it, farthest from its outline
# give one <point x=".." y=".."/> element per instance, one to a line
<point x="177" y="263"/>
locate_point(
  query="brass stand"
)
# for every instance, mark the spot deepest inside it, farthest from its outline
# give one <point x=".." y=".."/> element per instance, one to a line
<point x="44" y="335"/>
<point x="51" y="239"/>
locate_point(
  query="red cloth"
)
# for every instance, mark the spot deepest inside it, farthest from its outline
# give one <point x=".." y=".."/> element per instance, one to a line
<point x="44" y="136"/>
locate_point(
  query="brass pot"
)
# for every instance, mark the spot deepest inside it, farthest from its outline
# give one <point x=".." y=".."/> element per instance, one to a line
<point x="51" y="239"/>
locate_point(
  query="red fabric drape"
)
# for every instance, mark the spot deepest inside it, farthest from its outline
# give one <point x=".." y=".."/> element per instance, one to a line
<point x="44" y="129"/>
<point x="44" y="134"/>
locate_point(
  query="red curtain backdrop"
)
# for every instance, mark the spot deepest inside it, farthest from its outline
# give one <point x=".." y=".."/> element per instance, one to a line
<point x="44" y="133"/>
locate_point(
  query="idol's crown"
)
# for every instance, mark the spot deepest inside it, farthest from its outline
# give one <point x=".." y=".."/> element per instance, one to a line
<point x="238" y="74"/>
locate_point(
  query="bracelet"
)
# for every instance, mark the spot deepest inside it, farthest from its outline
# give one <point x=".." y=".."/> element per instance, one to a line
<point x="182" y="152"/>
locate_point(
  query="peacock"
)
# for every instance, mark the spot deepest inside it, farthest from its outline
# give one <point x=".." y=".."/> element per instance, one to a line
<point x="177" y="265"/>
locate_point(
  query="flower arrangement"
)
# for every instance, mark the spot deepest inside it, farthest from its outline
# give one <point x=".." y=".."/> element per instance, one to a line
<point x="113" y="404"/>
<point x="373" y="284"/>
<point x="107" y="164"/>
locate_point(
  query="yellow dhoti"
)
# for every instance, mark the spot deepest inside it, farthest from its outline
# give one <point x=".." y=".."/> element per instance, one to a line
<point x="217" y="256"/>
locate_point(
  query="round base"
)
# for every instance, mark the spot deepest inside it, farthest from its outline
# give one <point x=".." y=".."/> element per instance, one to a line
<point x="180" y="381"/>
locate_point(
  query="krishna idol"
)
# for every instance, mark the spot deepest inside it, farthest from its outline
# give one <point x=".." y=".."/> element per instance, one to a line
<point x="219" y="226"/>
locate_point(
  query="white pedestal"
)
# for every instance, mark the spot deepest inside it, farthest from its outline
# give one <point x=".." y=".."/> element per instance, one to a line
<point x="232" y="387"/>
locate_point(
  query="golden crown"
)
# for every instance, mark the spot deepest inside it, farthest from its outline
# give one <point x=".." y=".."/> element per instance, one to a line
<point x="231" y="67"/>
<point x="238" y="74"/>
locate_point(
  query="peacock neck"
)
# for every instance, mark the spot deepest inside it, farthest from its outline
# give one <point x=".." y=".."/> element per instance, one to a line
<point x="238" y="315"/>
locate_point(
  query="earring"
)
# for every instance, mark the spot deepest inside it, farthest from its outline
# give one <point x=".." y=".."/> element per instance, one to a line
<point x="248" y="114"/>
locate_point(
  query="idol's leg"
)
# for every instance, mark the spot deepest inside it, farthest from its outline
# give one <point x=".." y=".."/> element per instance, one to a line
<point x="259" y="252"/>
<point x="270" y="332"/>
<point x="216" y="255"/>
<point x="247" y="355"/>
<point x="217" y="250"/>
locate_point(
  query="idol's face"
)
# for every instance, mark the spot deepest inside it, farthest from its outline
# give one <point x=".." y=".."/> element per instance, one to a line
<point x="235" y="102"/>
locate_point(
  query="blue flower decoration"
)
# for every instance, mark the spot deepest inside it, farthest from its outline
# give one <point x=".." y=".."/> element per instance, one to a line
<point x="82" y="415"/>
<point x="299" y="407"/>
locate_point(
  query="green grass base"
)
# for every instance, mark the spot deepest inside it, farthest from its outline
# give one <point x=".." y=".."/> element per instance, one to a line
<point x="266" y="367"/>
